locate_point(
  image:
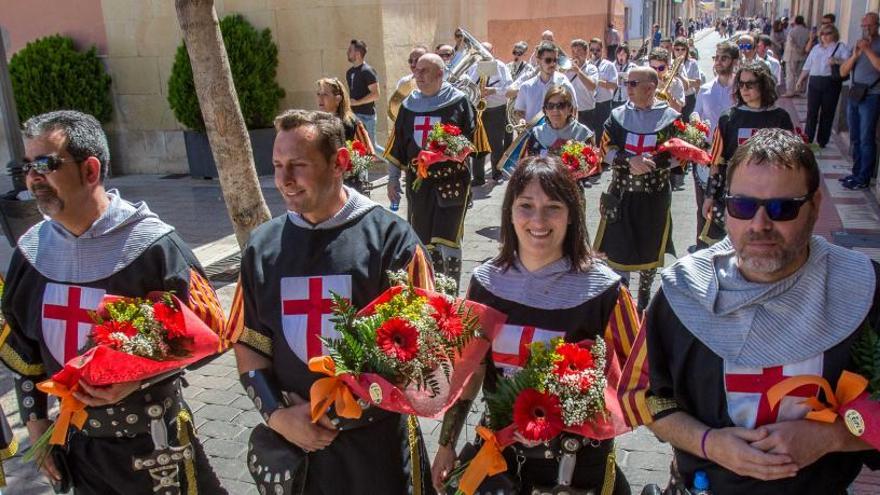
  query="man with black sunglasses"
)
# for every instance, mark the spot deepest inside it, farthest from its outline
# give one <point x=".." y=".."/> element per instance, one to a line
<point x="730" y="322"/>
<point x="530" y="95"/>
<point x="94" y="243"/>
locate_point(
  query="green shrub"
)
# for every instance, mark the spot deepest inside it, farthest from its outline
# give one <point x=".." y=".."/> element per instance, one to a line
<point x="253" y="59"/>
<point x="50" y="74"/>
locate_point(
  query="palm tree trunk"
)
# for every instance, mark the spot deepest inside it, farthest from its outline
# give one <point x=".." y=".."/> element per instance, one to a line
<point x="223" y="120"/>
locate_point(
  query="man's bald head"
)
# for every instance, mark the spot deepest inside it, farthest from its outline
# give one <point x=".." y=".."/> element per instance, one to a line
<point x="644" y="74"/>
<point x="429" y="73"/>
<point x="432" y="60"/>
<point x="547" y="35"/>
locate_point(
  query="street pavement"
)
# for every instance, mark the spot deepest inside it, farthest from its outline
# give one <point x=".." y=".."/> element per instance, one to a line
<point x="223" y="413"/>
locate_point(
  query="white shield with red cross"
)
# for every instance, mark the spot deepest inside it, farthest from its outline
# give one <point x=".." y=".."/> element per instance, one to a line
<point x="746" y="389"/>
<point x="510" y="349"/>
<point x="640" y="144"/>
<point x="66" y="319"/>
<point x="745" y="134"/>
<point x="306" y="309"/>
<point x="422" y="126"/>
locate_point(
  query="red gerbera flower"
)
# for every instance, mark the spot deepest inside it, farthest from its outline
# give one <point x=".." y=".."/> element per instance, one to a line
<point x="574" y="359"/>
<point x="398" y="339"/>
<point x="703" y="128"/>
<point x="359" y="147"/>
<point x="437" y="146"/>
<point x="102" y="334"/>
<point x="451" y="129"/>
<point x="680" y="125"/>
<point x="570" y="161"/>
<point x="446" y="315"/>
<point x="171" y="320"/>
<point x="589" y="154"/>
<point x="537" y="416"/>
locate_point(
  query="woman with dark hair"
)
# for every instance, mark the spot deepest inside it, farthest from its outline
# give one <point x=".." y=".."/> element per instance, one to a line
<point x="332" y="97"/>
<point x="755" y="96"/>
<point x="623" y="65"/>
<point x="560" y="126"/>
<point x="548" y="282"/>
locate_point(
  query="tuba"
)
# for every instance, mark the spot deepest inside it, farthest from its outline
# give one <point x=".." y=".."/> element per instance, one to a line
<point x="663" y="92"/>
<point x="474" y="52"/>
<point x="399" y="95"/>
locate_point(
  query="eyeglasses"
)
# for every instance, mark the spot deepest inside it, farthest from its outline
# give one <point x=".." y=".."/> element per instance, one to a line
<point x="562" y="105"/>
<point x="633" y="83"/>
<point x="778" y="209"/>
<point x="680" y="49"/>
<point x="746" y="46"/>
<point x="595" y="50"/>
<point x="517" y="53"/>
<point x="659" y="68"/>
<point x="44" y="164"/>
<point x="748" y="84"/>
<point x="550" y="60"/>
<point x="445" y="55"/>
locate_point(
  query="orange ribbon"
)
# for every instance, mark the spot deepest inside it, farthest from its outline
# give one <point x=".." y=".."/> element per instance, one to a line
<point x="73" y="412"/>
<point x="488" y="462"/>
<point x="850" y="386"/>
<point x="330" y="390"/>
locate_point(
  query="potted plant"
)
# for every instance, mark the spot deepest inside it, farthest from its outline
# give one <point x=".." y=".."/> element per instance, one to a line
<point x="253" y="60"/>
<point x="50" y="74"/>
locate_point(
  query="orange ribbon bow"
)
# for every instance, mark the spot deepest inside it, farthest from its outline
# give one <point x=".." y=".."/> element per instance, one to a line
<point x="850" y="386"/>
<point x="488" y="462"/>
<point x="73" y="412"/>
<point x="330" y="390"/>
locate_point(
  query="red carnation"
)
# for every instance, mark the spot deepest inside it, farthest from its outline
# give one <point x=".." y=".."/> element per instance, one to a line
<point x="398" y="339"/>
<point x="359" y="147"/>
<point x="451" y="129"/>
<point x="445" y="314"/>
<point x="170" y="319"/>
<point x="102" y="334"/>
<point x="537" y="416"/>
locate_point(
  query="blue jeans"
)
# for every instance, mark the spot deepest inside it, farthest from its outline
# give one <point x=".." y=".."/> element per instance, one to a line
<point x="369" y="122"/>
<point x="862" y="120"/>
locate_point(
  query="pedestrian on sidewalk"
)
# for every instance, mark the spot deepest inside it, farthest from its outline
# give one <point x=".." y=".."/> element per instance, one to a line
<point x="612" y="41"/>
<point x="795" y="54"/>
<point x="732" y="321"/>
<point x="363" y="87"/>
<point x="823" y="90"/>
<point x="331" y="241"/>
<point x="864" y="102"/>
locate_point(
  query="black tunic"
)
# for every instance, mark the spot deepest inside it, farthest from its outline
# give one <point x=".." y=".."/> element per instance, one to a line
<point x="685" y="375"/>
<point x="282" y="303"/>
<point x="436" y="210"/>
<point x="635" y="231"/>
<point x="735" y="126"/>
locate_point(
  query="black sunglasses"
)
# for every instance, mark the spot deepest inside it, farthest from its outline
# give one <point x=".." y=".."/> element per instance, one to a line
<point x="562" y="105"/>
<point x="778" y="209"/>
<point x="660" y="68"/>
<point x="44" y="164"/>
<point x="518" y="53"/>
<point x="550" y="60"/>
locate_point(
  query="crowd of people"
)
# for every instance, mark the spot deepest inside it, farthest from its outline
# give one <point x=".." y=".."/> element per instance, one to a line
<point x="759" y="299"/>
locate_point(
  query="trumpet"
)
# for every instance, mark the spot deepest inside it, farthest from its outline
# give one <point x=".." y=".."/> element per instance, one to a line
<point x="663" y="92"/>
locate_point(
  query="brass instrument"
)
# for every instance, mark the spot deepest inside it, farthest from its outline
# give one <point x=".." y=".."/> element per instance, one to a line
<point x="663" y="92"/>
<point x="474" y="52"/>
<point x="399" y="95"/>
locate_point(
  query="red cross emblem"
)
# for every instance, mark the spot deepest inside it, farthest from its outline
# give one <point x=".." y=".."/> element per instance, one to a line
<point x="422" y="127"/>
<point x="744" y="134"/>
<point x="747" y="388"/>
<point x="66" y="319"/>
<point x="306" y="308"/>
<point x="510" y="349"/>
<point x="639" y="144"/>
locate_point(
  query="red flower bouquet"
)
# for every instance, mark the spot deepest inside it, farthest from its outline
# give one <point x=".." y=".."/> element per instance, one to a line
<point x="581" y="159"/>
<point x="133" y="339"/>
<point x="361" y="158"/>
<point x="445" y="144"/>
<point x="564" y="387"/>
<point x="409" y="351"/>
<point x="688" y="144"/>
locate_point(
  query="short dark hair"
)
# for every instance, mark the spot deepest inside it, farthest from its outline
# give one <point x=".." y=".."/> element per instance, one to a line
<point x="727" y="48"/>
<point x="360" y="46"/>
<point x="765" y="40"/>
<point x="84" y="135"/>
<point x="680" y="41"/>
<point x="331" y="134"/>
<point x="546" y="46"/>
<point x="623" y="47"/>
<point x="580" y="43"/>
<point x="766" y="83"/>
<point x="659" y="54"/>
<point x="830" y="16"/>
<point x="799" y="20"/>
<point x="597" y="41"/>
<point x="557" y="183"/>
<point x="779" y="147"/>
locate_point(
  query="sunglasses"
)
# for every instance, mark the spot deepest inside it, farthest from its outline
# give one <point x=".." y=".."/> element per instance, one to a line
<point x="518" y="53"/>
<point x="746" y="46"/>
<point x="445" y="55"/>
<point x="659" y="68"/>
<point x="44" y="164"/>
<point x="550" y="60"/>
<point x="680" y="49"/>
<point x="632" y="84"/>
<point x="562" y="105"/>
<point x="778" y="209"/>
<point x="748" y="84"/>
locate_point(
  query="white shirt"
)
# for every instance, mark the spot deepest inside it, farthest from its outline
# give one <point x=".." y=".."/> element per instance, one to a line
<point x="500" y="81"/>
<point x="817" y="60"/>
<point x="774" y="65"/>
<point x="622" y="74"/>
<point x="586" y="99"/>
<point x="607" y="73"/>
<point x="713" y="100"/>
<point x="692" y="72"/>
<point x="530" y="98"/>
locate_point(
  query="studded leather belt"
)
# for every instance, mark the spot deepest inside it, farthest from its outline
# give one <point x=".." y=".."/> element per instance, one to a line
<point x="652" y="182"/>
<point x="554" y="448"/>
<point x="133" y="415"/>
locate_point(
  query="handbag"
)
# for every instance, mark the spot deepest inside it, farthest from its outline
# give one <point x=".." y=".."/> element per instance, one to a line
<point x="858" y="91"/>
<point x="835" y="70"/>
<point x="277" y="466"/>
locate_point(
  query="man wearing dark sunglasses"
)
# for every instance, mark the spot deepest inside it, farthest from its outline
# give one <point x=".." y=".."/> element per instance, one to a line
<point x="530" y="94"/>
<point x="747" y="48"/>
<point x="94" y="243"/>
<point x="769" y="302"/>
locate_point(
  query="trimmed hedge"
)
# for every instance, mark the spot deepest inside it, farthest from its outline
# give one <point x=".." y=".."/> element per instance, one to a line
<point x="51" y="74"/>
<point x="253" y="59"/>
